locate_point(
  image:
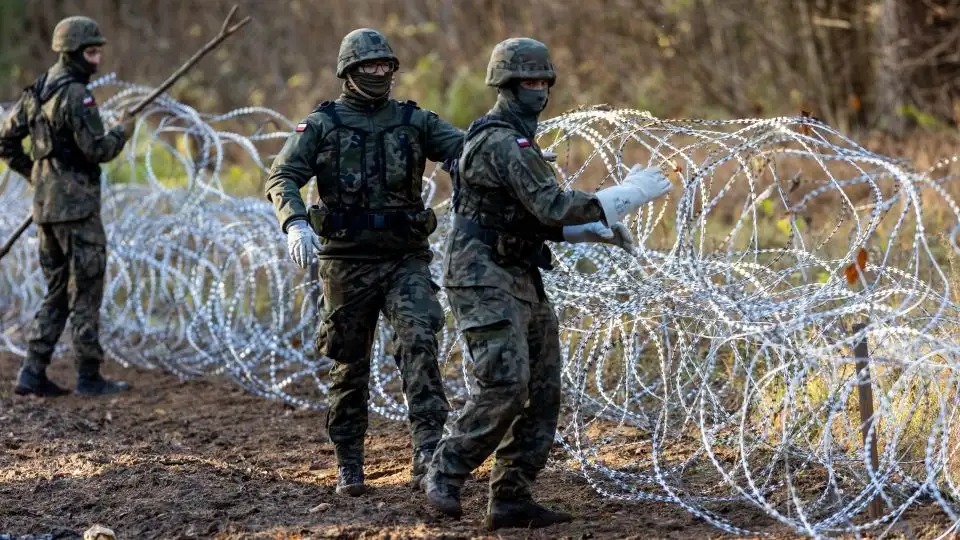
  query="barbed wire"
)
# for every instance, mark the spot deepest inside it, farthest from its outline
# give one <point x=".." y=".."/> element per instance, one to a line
<point x="712" y="369"/>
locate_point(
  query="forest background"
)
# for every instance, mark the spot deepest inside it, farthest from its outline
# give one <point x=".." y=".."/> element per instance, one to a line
<point x="885" y="71"/>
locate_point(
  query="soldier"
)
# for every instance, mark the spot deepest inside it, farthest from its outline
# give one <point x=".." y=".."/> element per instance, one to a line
<point x="369" y="152"/>
<point x="68" y="142"/>
<point x="507" y="203"/>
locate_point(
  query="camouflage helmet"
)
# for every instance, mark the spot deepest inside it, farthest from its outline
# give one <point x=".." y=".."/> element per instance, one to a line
<point x="519" y="58"/>
<point x="363" y="45"/>
<point x="75" y="33"/>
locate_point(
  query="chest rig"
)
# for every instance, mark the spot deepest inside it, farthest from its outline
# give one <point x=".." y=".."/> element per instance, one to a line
<point x="517" y="239"/>
<point x="371" y="179"/>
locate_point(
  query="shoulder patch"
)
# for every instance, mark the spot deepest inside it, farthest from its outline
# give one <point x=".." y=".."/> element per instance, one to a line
<point x="523" y="142"/>
<point x="301" y="127"/>
<point x="88" y="101"/>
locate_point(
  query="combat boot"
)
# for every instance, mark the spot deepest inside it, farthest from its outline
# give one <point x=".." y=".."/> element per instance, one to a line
<point x="522" y="513"/>
<point x="350" y="480"/>
<point x="95" y="385"/>
<point x="34" y="381"/>
<point x="441" y="496"/>
<point x="421" y="462"/>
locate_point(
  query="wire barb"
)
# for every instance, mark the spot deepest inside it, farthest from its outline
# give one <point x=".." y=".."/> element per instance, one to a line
<point x="712" y="368"/>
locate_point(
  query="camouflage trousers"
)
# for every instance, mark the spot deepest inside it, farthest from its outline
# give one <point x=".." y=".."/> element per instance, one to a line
<point x="354" y="294"/>
<point x="73" y="257"/>
<point x="514" y="406"/>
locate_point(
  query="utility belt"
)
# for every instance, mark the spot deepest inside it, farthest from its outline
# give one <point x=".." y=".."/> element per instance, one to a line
<point x="509" y="249"/>
<point x="340" y="224"/>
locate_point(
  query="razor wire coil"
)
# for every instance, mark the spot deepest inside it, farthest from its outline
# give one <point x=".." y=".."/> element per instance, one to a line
<point x="711" y="367"/>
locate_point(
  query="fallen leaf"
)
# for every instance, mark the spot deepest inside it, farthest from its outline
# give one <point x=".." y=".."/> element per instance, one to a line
<point x="852" y="273"/>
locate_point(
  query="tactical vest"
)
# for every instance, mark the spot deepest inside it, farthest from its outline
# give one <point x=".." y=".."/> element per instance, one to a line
<point x="46" y="142"/>
<point x="350" y="202"/>
<point x="493" y="216"/>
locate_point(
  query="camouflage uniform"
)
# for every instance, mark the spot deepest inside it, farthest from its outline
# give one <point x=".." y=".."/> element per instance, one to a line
<point x="68" y="143"/>
<point x="369" y="156"/>
<point x="507" y="203"/>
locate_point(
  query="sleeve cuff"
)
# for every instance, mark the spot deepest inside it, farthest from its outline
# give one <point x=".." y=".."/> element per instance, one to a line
<point x="290" y="220"/>
<point x="555" y="234"/>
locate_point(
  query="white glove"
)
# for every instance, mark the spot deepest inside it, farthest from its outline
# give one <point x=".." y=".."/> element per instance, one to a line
<point x="618" y="235"/>
<point x="638" y="188"/>
<point x="302" y="243"/>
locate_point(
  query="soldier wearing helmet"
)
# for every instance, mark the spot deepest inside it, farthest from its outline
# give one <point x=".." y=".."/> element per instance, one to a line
<point x="68" y="144"/>
<point x="368" y="153"/>
<point x="507" y="203"/>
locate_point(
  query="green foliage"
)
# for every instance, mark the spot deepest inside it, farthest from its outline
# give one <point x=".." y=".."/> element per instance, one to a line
<point x="11" y="16"/>
<point x="678" y="7"/>
<point x="766" y="207"/>
<point x="168" y="170"/>
<point x="921" y="118"/>
<point x="459" y="99"/>
<point x="423" y="82"/>
<point x="467" y="97"/>
<point x="652" y="91"/>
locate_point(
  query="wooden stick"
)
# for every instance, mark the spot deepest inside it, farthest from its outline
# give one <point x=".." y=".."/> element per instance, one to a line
<point x="865" y="393"/>
<point x="225" y="31"/>
<point x="16" y="234"/>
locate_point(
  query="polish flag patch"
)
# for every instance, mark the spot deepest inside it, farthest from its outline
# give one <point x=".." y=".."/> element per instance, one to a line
<point x="301" y="127"/>
<point x="522" y="142"/>
<point x="88" y="101"/>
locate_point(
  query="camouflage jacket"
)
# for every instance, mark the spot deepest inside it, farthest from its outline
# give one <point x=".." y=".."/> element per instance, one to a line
<point x="505" y="185"/>
<point x="368" y="162"/>
<point x="68" y="142"/>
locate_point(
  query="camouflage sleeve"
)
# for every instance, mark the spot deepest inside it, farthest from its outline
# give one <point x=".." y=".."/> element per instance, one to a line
<point x="83" y="117"/>
<point x="534" y="184"/>
<point x="444" y="141"/>
<point x="12" y="133"/>
<point x="292" y="169"/>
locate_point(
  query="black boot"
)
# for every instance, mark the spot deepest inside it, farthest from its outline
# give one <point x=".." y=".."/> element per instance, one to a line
<point x="522" y="513"/>
<point x="421" y="461"/>
<point x="34" y="381"/>
<point x="442" y="496"/>
<point x="350" y="480"/>
<point x="95" y="385"/>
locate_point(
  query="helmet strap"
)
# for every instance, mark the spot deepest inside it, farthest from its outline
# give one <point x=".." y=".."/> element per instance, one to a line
<point x="356" y="88"/>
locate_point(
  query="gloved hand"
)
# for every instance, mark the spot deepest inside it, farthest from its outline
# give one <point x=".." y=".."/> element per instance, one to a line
<point x="618" y="235"/>
<point x="638" y="188"/>
<point x="302" y="243"/>
<point x="128" y="122"/>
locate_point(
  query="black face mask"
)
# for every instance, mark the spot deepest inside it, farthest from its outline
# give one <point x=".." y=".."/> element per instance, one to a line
<point x="371" y="87"/>
<point x="532" y="101"/>
<point x="525" y="105"/>
<point x="78" y="64"/>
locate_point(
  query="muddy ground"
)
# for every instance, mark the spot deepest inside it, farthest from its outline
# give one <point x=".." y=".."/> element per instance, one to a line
<point x="205" y="459"/>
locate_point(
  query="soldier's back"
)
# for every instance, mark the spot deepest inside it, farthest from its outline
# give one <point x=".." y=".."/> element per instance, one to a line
<point x="66" y="181"/>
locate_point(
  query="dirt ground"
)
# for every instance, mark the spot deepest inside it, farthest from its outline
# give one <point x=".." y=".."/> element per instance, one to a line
<point x="205" y="459"/>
